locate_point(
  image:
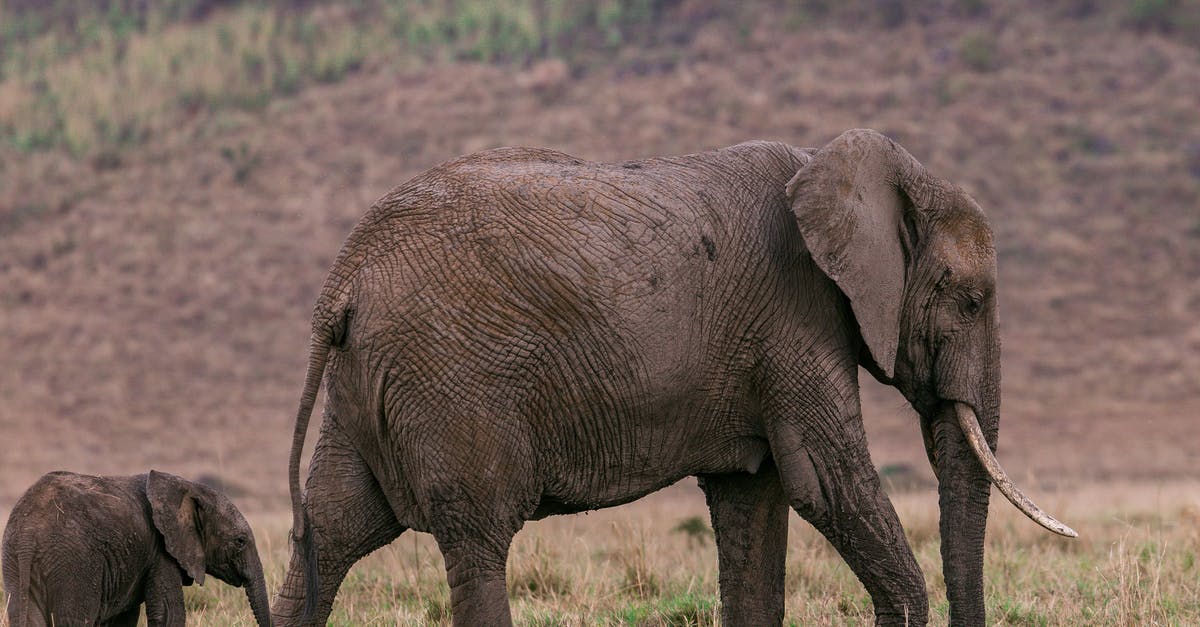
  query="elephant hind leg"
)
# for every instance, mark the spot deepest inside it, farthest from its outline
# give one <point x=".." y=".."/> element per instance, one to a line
<point x="749" y="517"/>
<point x="474" y="535"/>
<point x="474" y="521"/>
<point x="475" y="570"/>
<point x="349" y="516"/>
<point x="478" y="498"/>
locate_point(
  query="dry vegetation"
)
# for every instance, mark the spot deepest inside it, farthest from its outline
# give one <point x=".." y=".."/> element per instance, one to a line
<point x="174" y="183"/>
<point x="1135" y="564"/>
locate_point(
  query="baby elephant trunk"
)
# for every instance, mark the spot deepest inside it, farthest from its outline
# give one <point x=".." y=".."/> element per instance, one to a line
<point x="256" y="588"/>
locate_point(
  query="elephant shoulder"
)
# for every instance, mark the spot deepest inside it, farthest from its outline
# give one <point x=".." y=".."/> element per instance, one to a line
<point x="766" y="153"/>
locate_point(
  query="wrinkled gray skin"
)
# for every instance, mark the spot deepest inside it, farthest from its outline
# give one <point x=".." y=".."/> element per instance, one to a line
<point x="519" y="333"/>
<point x="85" y="550"/>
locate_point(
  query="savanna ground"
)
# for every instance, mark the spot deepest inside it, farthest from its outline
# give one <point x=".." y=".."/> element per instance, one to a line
<point x="176" y="177"/>
<point x="653" y="563"/>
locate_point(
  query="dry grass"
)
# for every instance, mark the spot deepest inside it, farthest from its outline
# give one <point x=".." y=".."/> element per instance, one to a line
<point x="154" y="307"/>
<point x="1135" y="564"/>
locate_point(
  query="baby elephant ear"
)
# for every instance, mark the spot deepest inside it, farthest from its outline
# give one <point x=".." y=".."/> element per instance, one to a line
<point x="176" y="514"/>
<point x="850" y="202"/>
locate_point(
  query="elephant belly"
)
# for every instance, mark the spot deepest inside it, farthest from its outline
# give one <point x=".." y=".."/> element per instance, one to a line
<point x="652" y="464"/>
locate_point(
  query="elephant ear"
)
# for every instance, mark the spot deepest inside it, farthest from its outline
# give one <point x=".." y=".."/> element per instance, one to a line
<point x="850" y="203"/>
<point x="177" y="516"/>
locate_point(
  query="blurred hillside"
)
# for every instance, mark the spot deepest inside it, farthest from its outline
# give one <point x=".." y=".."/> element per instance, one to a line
<point x="176" y="177"/>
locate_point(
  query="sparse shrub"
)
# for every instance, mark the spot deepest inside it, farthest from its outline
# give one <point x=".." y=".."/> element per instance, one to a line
<point x="242" y="160"/>
<point x="339" y="61"/>
<point x="1092" y="143"/>
<point x="286" y="78"/>
<point x="1152" y="14"/>
<point x="978" y="52"/>
<point x="695" y="529"/>
<point x="107" y="159"/>
<point x="33" y="139"/>
<point x="64" y="246"/>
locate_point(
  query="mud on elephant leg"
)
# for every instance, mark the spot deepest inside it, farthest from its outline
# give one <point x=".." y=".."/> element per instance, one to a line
<point x="834" y="486"/>
<point x="749" y="518"/>
<point x="349" y="518"/>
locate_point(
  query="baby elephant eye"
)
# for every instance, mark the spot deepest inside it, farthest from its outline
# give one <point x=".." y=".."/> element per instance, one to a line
<point x="239" y="542"/>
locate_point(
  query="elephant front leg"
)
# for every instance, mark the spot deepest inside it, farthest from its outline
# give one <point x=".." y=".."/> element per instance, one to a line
<point x="128" y="618"/>
<point x="164" y="594"/>
<point x="349" y="517"/>
<point x="828" y="476"/>
<point x="749" y="519"/>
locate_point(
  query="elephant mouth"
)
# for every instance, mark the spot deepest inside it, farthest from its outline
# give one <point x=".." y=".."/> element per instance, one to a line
<point x="233" y="579"/>
<point x="968" y="422"/>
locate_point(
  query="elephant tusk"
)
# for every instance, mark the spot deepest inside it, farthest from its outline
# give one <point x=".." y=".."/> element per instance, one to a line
<point x="969" y="423"/>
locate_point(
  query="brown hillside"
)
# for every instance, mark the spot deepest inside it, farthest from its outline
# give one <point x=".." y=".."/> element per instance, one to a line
<point x="154" y="312"/>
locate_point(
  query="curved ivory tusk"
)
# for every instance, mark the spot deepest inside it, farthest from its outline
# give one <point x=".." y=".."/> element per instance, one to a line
<point x="969" y="424"/>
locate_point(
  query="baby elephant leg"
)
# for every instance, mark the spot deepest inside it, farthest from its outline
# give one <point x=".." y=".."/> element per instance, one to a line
<point x="164" y="595"/>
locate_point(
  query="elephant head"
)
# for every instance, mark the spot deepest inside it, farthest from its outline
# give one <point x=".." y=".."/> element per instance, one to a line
<point x="914" y="256"/>
<point x="205" y="533"/>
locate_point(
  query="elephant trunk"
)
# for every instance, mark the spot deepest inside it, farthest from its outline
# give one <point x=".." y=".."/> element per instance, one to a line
<point x="256" y="589"/>
<point x="963" y="493"/>
<point x="966" y="470"/>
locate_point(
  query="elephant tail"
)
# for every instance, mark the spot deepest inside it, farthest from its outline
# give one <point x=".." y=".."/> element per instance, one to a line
<point x="328" y="329"/>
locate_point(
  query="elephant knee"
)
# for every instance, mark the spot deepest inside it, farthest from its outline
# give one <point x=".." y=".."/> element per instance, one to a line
<point x="805" y="489"/>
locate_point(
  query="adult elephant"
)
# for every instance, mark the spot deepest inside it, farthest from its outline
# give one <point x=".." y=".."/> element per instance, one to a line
<point x="519" y="333"/>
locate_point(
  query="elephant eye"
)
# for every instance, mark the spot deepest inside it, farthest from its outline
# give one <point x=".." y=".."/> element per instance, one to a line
<point x="239" y="542"/>
<point x="972" y="304"/>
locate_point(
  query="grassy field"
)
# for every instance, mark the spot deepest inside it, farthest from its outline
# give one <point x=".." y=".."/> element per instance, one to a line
<point x="103" y="79"/>
<point x="176" y="177"/>
<point x="650" y="563"/>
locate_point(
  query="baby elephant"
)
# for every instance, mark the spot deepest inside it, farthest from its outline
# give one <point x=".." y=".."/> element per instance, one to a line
<point x="83" y="550"/>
